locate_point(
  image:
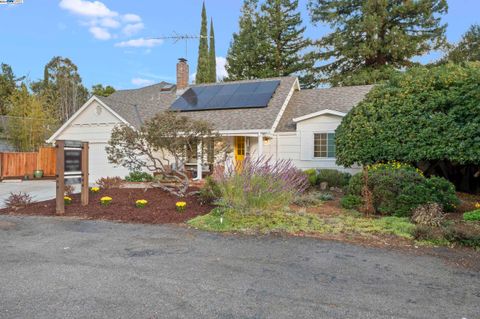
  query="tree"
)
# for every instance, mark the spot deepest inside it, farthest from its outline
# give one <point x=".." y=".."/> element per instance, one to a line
<point x="8" y="84"/>
<point x="428" y="117"/>
<point x="283" y="24"/>
<point x="212" y="63"/>
<point x="270" y="43"/>
<point x="162" y="145"/>
<point x="61" y="88"/>
<point x="202" y="75"/>
<point x="100" y="90"/>
<point x="468" y="49"/>
<point x="29" y="124"/>
<point x="246" y="57"/>
<point x="372" y="39"/>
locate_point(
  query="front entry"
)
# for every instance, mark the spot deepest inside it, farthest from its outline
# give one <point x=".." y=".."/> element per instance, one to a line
<point x="239" y="149"/>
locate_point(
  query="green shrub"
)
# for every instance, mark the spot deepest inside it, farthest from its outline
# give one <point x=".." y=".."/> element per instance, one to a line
<point x="312" y="176"/>
<point x="351" y="201"/>
<point x="474" y="215"/>
<point x="333" y="177"/>
<point x="397" y="189"/>
<point x="307" y="199"/>
<point x="210" y="192"/>
<point x="137" y="176"/>
<point x="465" y="236"/>
<point x="325" y="196"/>
<point x="442" y="192"/>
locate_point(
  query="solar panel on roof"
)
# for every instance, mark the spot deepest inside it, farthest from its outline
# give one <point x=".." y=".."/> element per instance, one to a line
<point x="226" y="96"/>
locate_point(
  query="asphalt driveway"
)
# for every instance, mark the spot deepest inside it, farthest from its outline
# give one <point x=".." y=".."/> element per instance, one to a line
<point x="64" y="268"/>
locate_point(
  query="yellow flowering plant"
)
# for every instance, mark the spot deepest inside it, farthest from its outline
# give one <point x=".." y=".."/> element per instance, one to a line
<point x="181" y="206"/>
<point x="67" y="200"/>
<point x="105" y="200"/>
<point x="477" y="205"/>
<point x="95" y="189"/>
<point x="140" y="203"/>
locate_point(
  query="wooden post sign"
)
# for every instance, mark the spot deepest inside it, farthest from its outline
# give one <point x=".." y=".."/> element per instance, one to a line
<point x="72" y="168"/>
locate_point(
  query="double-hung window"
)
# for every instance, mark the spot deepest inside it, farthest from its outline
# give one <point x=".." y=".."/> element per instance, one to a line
<point x="324" y="145"/>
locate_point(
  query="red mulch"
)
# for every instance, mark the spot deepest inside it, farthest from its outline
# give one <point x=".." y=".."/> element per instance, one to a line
<point x="159" y="210"/>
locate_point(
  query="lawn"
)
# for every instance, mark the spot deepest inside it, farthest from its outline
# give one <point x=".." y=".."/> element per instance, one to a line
<point x="295" y="221"/>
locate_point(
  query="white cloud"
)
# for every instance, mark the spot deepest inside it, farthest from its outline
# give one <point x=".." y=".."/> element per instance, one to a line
<point x="109" y="23"/>
<point x="100" y="33"/>
<point x="87" y="8"/>
<point x="140" y="42"/>
<point x="131" y="29"/>
<point x="130" y="17"/>
<point x="220" y="65"/>
<point x="100" y="20"/>
<point x="141" y="81"/>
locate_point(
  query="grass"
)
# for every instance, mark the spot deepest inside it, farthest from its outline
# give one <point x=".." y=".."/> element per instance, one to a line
<point x="294" y="222"/>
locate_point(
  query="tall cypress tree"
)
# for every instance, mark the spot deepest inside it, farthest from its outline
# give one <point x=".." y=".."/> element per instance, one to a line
<point x="202" y="75"/>
<point x="212" y="63"/>
<point x="370" y="39"/>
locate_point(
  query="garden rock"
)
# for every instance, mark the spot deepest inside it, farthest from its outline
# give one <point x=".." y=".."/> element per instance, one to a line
<point x="323" y="186"/>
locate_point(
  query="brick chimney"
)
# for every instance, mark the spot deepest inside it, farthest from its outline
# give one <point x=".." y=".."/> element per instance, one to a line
<point x="182" y="74"/>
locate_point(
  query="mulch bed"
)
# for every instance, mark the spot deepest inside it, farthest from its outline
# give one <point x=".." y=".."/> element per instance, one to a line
<point x="159" y="210"/>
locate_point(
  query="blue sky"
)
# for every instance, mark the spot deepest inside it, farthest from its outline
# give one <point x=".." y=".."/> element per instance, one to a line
<point x="109" y="40"/>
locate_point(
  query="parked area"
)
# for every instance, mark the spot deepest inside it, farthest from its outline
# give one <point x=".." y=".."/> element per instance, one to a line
<point x="62" y="268"/>
<point x="39" y="190"/>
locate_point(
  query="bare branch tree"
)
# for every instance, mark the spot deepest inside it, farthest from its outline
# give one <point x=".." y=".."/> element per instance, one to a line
<point x="161" y="146"/>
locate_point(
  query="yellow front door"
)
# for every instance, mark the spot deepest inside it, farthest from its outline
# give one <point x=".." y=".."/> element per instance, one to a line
<point x="239" y="149"/>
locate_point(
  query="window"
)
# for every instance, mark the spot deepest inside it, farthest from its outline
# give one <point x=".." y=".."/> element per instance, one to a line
<point x="324" y="145"/>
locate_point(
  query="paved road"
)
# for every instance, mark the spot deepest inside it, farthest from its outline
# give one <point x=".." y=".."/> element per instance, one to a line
<point x="39" y="190"/>
<point x="63" y="268"/>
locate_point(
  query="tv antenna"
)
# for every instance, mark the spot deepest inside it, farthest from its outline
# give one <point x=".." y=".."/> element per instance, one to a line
<point x="182" y="37"/>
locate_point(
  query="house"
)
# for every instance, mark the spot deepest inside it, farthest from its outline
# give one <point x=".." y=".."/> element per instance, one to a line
<point x="271" y="117"/>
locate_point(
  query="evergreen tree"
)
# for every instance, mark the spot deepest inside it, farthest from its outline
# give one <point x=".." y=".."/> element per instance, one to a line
<point x="61" y="88"/>
<point x="370" y="39"/>
<point x="246" y="58"/>
<point x="283" y="23"/>
<point x="468" y="49"/>
<point x="8" y="85"/>
<point x="29" y="122"/>
<point x="212" y="63"/>
<point x="100" y="90"/>
<point x="270" y="42"/>
<point x="202" y="75"/>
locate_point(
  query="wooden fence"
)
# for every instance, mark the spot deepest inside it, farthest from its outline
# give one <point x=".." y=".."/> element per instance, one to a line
<point x="19" y="164"/>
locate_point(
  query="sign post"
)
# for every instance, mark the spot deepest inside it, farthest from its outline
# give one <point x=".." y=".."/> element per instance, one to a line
<point x="60" y="177"/>
<point x="71" y="168"/>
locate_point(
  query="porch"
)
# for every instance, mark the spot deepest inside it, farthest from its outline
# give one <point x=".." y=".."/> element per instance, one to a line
<point x="239" y="146"/>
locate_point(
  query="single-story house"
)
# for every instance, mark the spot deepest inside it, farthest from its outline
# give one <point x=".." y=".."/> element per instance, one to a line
<point x="271" y="117"/>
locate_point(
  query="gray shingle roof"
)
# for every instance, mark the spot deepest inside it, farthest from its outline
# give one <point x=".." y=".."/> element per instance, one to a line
<point x="304" y="102"/>
<point x="137" y="106"/>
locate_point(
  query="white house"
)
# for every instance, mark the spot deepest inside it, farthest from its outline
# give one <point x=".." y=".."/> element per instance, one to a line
<point x="271" y="117"/>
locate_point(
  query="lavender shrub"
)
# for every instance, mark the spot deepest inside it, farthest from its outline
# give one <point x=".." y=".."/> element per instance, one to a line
<point x="260" y="184"/>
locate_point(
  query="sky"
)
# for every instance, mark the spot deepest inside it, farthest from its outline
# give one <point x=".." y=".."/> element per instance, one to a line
<point x="112" y="41"/>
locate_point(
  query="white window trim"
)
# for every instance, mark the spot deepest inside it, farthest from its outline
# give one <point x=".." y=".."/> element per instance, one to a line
<point x="313" y="138"/>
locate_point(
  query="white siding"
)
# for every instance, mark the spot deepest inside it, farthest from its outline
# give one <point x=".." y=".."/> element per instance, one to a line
<point x="298" y="146"/>
<point x="94" y="125"/>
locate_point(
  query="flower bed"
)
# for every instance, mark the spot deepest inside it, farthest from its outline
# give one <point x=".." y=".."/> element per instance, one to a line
<point x="161" y="207"/>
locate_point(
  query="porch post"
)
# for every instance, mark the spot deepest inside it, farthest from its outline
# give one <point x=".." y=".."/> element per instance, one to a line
<point x="199" y="160"/>
<point x="260" y="145"/>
